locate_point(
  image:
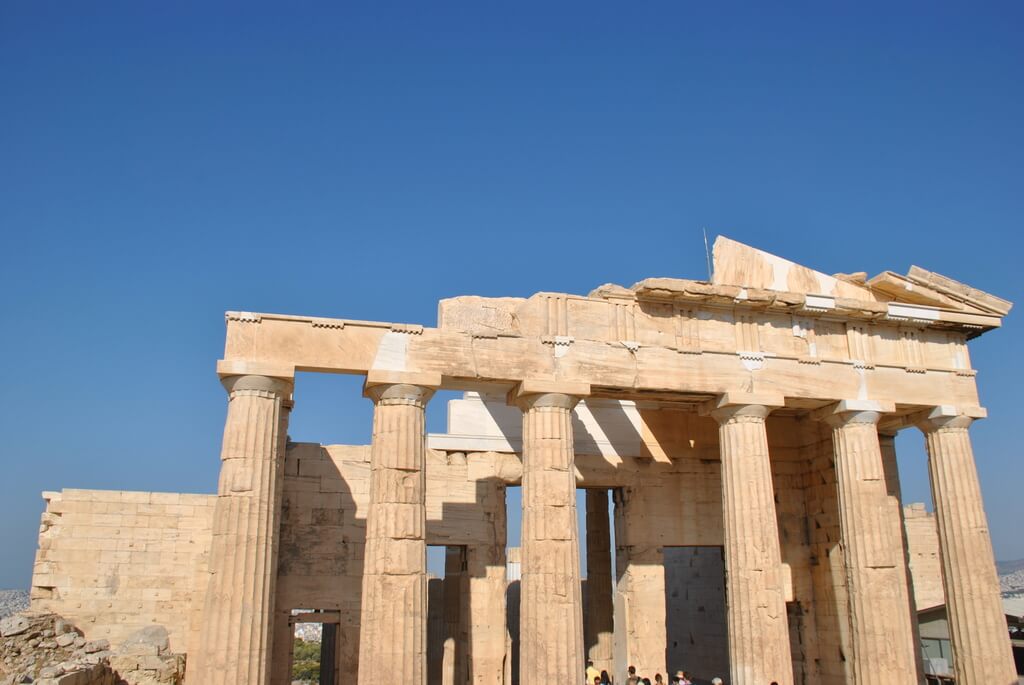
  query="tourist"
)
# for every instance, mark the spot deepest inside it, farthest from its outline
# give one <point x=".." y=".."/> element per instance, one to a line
<point x="716" y="681"/>
<point x="592" y="673"/>
<point x="683" y="678"/>
<point x="605" y="678"/>
<point x="631" y="678"/>
<point x="658" y="680"/>
<point x="646" y="681"/>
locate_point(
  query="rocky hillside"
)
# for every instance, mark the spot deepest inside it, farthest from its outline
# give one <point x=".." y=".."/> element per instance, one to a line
<point x="12" y="601"/>
<point x="1011" y="577"/>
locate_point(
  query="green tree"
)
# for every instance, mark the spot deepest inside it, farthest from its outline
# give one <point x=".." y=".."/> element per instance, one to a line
<point x="306" y="661"/>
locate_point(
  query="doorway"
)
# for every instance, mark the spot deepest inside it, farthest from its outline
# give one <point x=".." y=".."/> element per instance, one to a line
<point x="314" y="657"/>
<point x="695" y="616"/>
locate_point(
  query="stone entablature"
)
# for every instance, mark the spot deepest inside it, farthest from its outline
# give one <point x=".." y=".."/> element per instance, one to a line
<point x="666" y="339"/>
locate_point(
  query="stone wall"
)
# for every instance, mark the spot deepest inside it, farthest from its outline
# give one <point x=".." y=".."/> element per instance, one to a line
<point x="826" y="569"/>
<point x="925" y="565"/>
<point x="787" y="437"/>
<point x="695" y="621"/>
<point x="115" y="561"/>
<point x="323" y="529"/>
<point x="112" y="562"/>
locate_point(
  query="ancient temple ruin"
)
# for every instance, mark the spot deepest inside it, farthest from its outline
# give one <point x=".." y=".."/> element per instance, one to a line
<point x="740" y="430"/>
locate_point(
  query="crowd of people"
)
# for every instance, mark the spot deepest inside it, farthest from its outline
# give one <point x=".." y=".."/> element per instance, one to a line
<point x="594" y="677"/>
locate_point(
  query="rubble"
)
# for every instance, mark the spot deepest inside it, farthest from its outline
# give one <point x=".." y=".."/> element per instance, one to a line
<point x="45" y="649"/>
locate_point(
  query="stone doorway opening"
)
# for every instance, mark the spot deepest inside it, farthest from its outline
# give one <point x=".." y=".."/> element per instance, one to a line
<point x="513" y="570"/>
<point x="696" y="627"/>
<point x="315" y="646"/>
<point x="447" y="607"/>
<point x="597" y="562"/>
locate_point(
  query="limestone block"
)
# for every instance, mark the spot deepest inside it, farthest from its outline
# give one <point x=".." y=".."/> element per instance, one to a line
<point x="150" y="640"/>
<point x="925" y="563"/>
<point x="13" y="625"/>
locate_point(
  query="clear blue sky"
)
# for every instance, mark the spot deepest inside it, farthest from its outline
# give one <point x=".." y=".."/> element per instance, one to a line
<point x="161" y="163"/>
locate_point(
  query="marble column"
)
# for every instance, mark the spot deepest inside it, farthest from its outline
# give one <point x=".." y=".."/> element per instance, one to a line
<point x="759" y="650"/>
<point x="393" y="617"/>
<point x="977" y="625"/>
<point x="887" y="444"/>
<point x="236" y="636"/>
<point x="881" y="635"/>
<point x="551" y="603"/>
<point x="599" y="629"/>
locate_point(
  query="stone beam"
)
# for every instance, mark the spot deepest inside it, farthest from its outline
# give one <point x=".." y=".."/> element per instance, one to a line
<point x="464" y="360"/>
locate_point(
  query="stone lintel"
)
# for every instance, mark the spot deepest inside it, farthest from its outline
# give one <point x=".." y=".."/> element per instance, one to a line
<point x="243" y="367"/>
<point x="424" y="379"/>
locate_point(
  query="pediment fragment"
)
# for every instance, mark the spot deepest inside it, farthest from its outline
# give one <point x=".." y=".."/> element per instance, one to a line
<point x="745" y="266"/>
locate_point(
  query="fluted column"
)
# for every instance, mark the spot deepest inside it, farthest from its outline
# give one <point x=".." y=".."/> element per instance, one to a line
<point x="977" y="625"/>
<point x="551" y="603"/>
<point x="887" y="444"/>
<point x="393" y="617"/>
<point x="236" y="637"/>
<point x="755" y="597"/>
<point x="881" y="635"/>
<point x="599" y="629"/>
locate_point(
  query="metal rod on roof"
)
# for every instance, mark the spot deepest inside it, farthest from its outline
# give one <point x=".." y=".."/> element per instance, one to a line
<point x="707" y="252"/>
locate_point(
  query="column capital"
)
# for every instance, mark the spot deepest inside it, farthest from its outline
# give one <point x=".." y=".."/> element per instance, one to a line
<point x="256" y="384"/>
<point x="847" y="412"/>
<point x="735" y="405"/>
<point x="401" y="387"/>
<point x="948" y="417"/>
<point x="557" y="400"/>
<point x="536" y="393"/>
